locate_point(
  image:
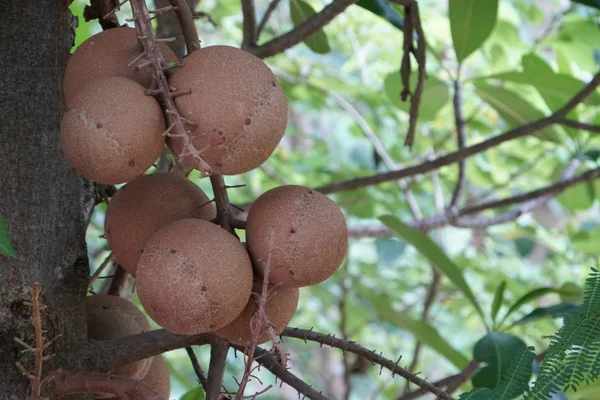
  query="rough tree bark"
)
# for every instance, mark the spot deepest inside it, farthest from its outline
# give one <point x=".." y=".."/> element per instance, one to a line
<point x="45" y="204"/>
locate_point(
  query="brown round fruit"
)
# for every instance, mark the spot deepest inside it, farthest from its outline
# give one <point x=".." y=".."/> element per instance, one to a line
<point x="281" y="307"/>
<point x="239" y="107"/>
<point x="113" y="132"/>
<point x="145" y="205"/>
<point x="158" y="377"/>
<point x="112" y="317"/>
<point x="108" y="54"/>
<point x="309" y="235"/>
<point x="193" y="277"/>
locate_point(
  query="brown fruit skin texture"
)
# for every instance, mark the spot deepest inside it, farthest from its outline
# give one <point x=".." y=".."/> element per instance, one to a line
<point x="281" y="307"/>
<point x="310" y="236"/>
<point x="235" y="99"/>
<point x="145" y="205"/>
<point x="113" y="132"/>
<point x="193" y="277"/>
<point x="158" y="377"/>
<point x="107" y="54"/>
<point x="112" y="317"/>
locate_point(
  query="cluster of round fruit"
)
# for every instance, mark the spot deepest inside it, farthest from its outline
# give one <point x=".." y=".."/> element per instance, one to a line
<point x="193" y="276"/>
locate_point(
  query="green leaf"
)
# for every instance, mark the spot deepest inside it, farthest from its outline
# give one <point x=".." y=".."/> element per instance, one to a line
<point x="5" y="244"/>
<point x="427" y="334"/>
<point x="194" y="394"/>
<point x="383" y="9"/>
<point x="498" y="298"/>
<point x="300" y="11"/>
<point x="576" y="198"/>
<point x="555" y="311"/>
<point x="527" y="298"/>
<point x="514" y="109"/>
<point x="471" y="23"/>
<point x="496" y="350"/>
<point x="435" y="94"/>
<point x="433" y="253"/>
<point x="570" y="292"/>
<point x="587" y="242"/>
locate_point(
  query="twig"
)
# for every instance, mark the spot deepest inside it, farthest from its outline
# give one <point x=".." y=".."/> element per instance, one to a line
<point x="459" y="121"/>
<point x="580" y="125"/>
<point x="69" y="383"/>
<point x="249" y="24"/>
<point x="451" y="158"/>
<point x="216" y="369"/>
<point x="345" y="336"/>
<point x="40" y="343"/>
<point x="302" y="31"/>
<point x="100" y="269"/>
<point x="263" y="22"/>
<point x="258" y="323"/>
<point x="197" y="369"/>
<point x="365" y="353"/>
<point x="154" y="60"/>
<point x="451" y="383"/>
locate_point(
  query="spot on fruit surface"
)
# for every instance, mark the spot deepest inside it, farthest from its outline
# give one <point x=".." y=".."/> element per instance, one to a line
<point x="173" y="251"/>
<point x="99" y="125"/>
<point x="247" y="121"/>
<point x="131" y="163"/>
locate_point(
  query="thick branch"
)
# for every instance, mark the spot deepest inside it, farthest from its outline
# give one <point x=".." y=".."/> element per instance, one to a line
<point x="521" y="131"/>
<point x="125" y="350"/>
<point x="302" y="31"/>
<point x="216" y="369"/>
<point x="249" y="24"/>
<point x="68" y="383"/>
<point x="188" y="28"/>
<point x="366" y="354"/>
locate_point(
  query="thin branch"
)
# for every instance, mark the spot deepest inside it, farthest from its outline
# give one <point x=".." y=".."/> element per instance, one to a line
<point x="270" y="362"/>
<point x="69" y="383"/>
<point x="196" y="366"/>
<point x="263" y="22"/>
<point x="580" y="125"/>
<point x="528" y="201"/>
<point x="216" y="369"/>
<point x="412" y="15"/>
<point x="302" y="31"/>
<point x="459" y="155"/>
<point x="117" y="283"/>
<point x="186" y="21"/>
<point x="459" y="121"/>
<point x="249" y="24"/>
<point x="366" y="354"/>
<point x="101" y="10"/>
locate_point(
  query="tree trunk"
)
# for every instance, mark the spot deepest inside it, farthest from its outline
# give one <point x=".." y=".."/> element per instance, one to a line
<point x="45" y="204"/>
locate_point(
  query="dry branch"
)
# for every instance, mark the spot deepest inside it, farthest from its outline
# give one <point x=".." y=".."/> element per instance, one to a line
<point x="367" y="354"/>
<point x="249" y="24"/>
<point x="521" y="131"/>
<point x="459" y="122"/>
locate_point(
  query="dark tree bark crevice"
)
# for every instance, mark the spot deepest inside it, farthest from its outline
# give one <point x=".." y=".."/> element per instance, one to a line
<point x="46" y="205"/>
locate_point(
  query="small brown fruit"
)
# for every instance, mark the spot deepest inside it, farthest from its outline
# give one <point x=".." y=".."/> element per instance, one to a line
<point x="239" y="107"/>
<point x="281" y="306"/>
<point x="108" y="54"/>
<point x="113" y="132"/>
<point x="309" y="235"/>
<point x="158" y="377"/>
<point x="145" y="205"/>
<point x="193" y="277"/>
<point x="112" y="317"/>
